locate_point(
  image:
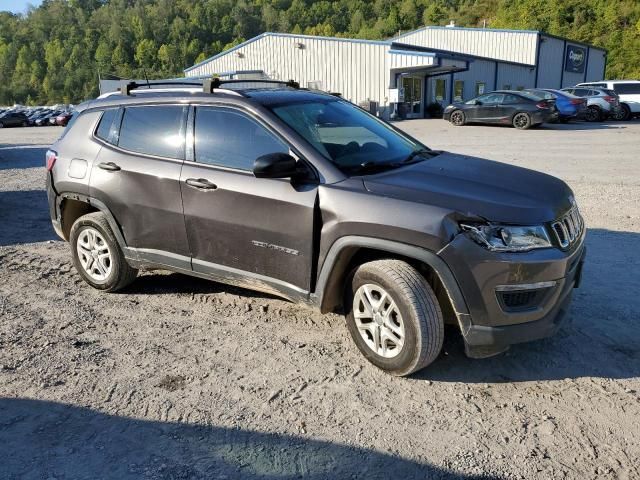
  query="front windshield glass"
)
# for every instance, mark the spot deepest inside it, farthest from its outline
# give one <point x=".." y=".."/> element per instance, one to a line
<point x="348" y="136"/>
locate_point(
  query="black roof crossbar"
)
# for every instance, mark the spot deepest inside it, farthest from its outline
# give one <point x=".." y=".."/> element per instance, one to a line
<point x="126" y="86"/>
<point x="210" y="84"/>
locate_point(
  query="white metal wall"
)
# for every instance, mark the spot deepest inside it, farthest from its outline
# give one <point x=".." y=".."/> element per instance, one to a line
<point x="510" y="46"/>
<point x="358" y="70"/>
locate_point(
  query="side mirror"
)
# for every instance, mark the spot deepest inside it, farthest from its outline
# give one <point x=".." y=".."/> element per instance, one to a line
<point x="275" y="165"/>
<point x="477" y="102"/>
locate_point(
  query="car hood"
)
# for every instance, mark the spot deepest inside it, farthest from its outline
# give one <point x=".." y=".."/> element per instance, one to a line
<point x="477" y="187"/>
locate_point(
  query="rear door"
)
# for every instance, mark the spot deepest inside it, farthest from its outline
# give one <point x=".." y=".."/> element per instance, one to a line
<point x="137" y="175"/>
<point x="239" y="225"/>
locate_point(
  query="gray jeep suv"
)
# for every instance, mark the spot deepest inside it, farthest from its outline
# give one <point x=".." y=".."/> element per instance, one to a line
<point x="306" y="196"/>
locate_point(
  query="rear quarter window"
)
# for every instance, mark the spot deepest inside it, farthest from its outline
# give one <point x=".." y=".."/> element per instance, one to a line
<point x="105" y="126"/>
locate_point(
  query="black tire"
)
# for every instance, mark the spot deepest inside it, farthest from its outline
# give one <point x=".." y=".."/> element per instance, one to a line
<point x="121" y="273"/>
<point x="623" y="114"/>
<point x="521" y="121"/>
<point x="25" y="124"/>
<point x="458" y="118"/>
<point x="419" y="310"/>
<point x="1" y="125"/>
<point x="593" y="114"/>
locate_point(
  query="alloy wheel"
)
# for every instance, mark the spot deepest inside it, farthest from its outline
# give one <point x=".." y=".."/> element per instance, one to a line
<point x="521" y="120"/>
<point x="457" y="118"/>
<point x="378" y="320"/>
<point x="94" y="254"/>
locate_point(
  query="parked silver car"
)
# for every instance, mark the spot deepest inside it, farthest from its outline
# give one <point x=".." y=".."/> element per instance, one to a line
<point x="602" y="103"/>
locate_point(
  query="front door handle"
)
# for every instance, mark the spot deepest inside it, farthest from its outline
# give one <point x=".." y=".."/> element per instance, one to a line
<point x="201" y="184"/>
<point x="112" y="167"/>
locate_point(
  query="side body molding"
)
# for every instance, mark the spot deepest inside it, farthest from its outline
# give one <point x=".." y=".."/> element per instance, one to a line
<point x="342" y="250"/>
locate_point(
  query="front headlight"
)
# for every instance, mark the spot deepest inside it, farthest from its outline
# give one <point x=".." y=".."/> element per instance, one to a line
<point x="508" y="238"/>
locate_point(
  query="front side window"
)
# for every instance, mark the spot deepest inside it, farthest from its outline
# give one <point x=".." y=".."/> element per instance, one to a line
<point x="346" y="135"/>
<point x="154" y="130"/>
<point x="229" y="138"/>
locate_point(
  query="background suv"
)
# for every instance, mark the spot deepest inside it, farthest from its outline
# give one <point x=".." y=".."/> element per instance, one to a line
<point x="628" y="92"/>
<point x="601" y="102"/>
<point x="306" y="196"/>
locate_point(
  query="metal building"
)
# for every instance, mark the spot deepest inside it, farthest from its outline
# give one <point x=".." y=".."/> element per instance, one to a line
<point x="408" y="73"/>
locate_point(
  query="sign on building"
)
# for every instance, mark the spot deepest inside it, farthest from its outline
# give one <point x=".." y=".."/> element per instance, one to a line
<point x="575" y="58"/>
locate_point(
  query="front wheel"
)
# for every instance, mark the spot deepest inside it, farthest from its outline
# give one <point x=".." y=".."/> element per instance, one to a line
<point x="594" y="114"/>
<point x="97" y="256"/>
<point x="522" y="121"/>
<point x="394" y="319"/>
<point x="457" y="118"/>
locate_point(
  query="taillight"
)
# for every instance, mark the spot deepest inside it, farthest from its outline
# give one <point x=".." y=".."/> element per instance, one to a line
<point x="610" y="99"/>
<point x="51" y="158"/>
<point x="542" y="105"/>
<point x="577" y="101"/>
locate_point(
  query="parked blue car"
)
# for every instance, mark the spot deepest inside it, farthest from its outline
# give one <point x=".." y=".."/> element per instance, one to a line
<point x="570" y="107"/>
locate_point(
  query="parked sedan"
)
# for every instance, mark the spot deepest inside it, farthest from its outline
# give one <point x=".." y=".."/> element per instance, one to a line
<point x="63" y="118"/>
<point x="520" y="109"/>
<point x="13" y="119"/>
<point x="46" y="120"/>
<point x="570" y="107"/>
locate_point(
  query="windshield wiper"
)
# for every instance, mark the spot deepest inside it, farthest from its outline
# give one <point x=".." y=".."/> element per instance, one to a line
<point x="420" y="152"/>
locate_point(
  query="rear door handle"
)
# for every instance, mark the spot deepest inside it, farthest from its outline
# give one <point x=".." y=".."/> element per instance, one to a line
<point x="112" y="167"/>
<point x="201" y="184"/>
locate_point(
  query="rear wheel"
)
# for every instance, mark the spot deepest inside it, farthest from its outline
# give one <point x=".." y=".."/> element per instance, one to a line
<point x="97" y="255"/>
<point x="594" y="114"/>
<point x="395" y="319"/>
<point x="1" y="125"/>
<point x="623" y="113"/>
<point x="458" y="118"/>
<point x="521" y="121"/>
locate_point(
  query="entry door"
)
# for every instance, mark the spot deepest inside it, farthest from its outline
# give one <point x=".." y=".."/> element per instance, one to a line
<point x="236" y="223"/>
<point x="413" y="96"/>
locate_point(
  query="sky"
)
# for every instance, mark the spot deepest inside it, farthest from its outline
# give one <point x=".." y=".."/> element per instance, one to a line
<point x="18" y="6"/>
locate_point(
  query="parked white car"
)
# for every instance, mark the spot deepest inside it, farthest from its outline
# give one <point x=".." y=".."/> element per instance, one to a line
<point x="629" y="93"/>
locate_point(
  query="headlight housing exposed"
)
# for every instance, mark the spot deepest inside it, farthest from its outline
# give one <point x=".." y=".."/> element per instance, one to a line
<point x="508" y="238"/>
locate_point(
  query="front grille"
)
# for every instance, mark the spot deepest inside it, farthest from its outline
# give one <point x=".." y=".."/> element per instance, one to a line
<point x="568" y="229"/>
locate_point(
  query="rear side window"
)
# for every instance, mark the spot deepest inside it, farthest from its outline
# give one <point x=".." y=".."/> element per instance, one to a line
<point x="229" y="138"/>
<point x="106" y="121"/>
<point x="581" y="92"/>
<point x="154" y="130"/>
<point x="627" y="88"/>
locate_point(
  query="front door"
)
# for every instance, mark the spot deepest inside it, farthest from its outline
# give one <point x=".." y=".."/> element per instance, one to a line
<point x="412" y="87"/>
<point x="238" y="224"/>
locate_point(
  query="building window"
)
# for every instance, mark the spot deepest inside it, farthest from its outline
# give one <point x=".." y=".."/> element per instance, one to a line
<point x="480" y="88"/>
<point x="506" y="86"/>
<point x="441" y="88"/>
<point x="458" y="90"/>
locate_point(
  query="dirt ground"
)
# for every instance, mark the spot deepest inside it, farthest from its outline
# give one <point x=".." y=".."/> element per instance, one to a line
<point x="179" y="378"/>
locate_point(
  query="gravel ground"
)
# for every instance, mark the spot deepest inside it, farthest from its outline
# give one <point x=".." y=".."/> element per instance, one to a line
<point x="178" y="378"/>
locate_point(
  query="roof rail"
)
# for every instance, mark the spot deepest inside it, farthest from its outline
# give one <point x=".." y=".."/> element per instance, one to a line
<point x="210" y="84"/>
<point x="126" y="86"/>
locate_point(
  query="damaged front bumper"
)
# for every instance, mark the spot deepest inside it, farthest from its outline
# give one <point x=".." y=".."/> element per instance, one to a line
<point x="512" y="297"/>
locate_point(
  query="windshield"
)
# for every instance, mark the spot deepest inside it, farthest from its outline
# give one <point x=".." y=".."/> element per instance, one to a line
<point x="349" y="137"/>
